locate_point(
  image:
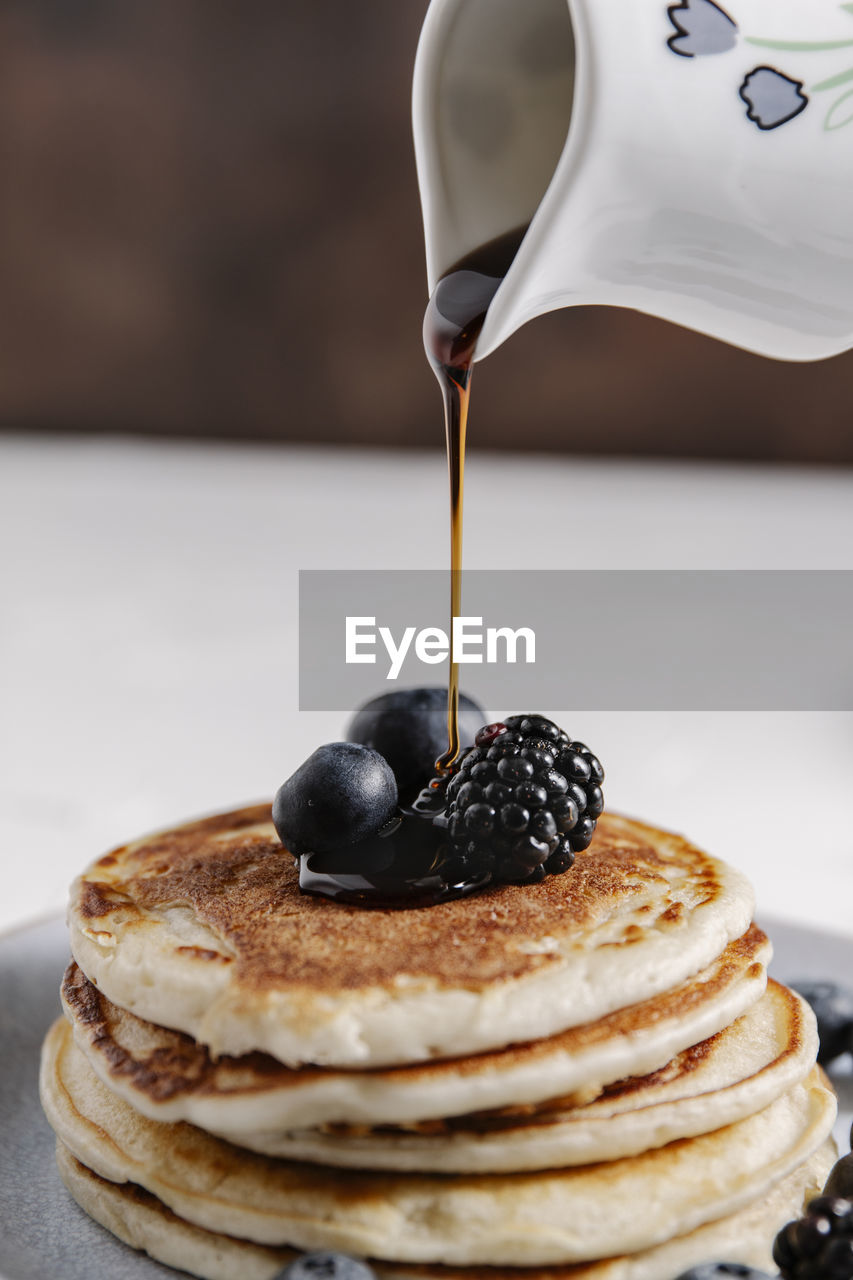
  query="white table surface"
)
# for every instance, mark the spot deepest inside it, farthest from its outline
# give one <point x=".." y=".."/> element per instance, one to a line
<point x="148" y="639"/>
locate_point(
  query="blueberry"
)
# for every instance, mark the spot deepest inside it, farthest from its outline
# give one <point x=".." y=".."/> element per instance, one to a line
<point x="833" y="1008"/>
<point x="840" y="1181"/>
<point x="409" y="728"/>
<point x="326" y="1266"/>
<point x="722" y="1271"/>
<point x="343" y="793"/>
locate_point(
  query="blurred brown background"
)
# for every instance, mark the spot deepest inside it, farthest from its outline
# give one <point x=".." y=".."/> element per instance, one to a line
<point x="209" y="226"/>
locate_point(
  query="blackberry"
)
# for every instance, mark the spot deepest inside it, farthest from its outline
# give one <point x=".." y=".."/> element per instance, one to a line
<point x="818" y="1246"/>
<point x="521" y="802"/>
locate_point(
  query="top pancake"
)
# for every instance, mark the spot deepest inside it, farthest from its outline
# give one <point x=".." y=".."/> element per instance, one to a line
<point x="203" y="928"/>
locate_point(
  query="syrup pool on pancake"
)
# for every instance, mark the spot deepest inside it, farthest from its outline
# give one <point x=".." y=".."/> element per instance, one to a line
<point x="513" y="807"/>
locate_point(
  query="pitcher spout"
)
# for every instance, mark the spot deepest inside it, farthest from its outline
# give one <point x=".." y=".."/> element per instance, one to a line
<point x="493" y="96"/>
<point x="657" y="154"/>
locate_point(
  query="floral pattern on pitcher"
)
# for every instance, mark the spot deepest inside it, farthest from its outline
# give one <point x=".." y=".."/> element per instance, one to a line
<point x="701" y="27"/>
<point x="772" y="97"/>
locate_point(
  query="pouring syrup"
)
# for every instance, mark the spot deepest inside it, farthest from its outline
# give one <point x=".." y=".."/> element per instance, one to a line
<point x="453" y="321"/>
<point x="402" y="867"/>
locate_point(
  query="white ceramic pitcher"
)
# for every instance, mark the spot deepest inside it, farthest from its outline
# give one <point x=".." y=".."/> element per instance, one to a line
<point x="688" y="160"/>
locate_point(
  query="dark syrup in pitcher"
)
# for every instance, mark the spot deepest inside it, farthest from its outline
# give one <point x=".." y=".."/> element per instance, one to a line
<point x="404" y="866"/>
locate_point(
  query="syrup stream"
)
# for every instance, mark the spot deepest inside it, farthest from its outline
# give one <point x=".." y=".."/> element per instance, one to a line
<point x="454" y="319"/>
<point x="403" y="867"/>
<point x="456" y="394"/>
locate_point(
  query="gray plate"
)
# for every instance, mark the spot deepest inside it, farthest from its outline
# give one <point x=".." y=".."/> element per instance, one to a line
<point x="43" y="1234"/>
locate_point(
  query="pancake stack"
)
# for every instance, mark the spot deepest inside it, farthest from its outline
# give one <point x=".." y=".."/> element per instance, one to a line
<point x="588" y="1077"/>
